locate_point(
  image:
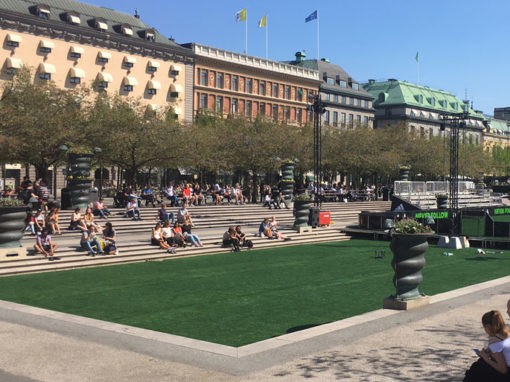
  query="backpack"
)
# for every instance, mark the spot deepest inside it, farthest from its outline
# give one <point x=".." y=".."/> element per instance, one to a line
<point x="248" y="243"/>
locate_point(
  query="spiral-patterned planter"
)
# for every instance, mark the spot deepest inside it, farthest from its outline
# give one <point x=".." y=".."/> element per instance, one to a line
<point x="302" y="212"/>
<point x="287" y="183"/>
<point x="79" y="189"/>
<point x="404" y="174"/>
<point x="408" y="261"/>
<point x="12" y="223"/>
<point x="442" y="202"/>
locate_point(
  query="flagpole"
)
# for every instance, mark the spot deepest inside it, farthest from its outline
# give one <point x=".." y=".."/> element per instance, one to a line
<point x="266" y="40"/>
<point x="318" y="55"/>
<point x="246" y="34"/>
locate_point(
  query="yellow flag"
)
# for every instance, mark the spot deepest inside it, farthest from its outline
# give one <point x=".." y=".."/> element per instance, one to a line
<point x="263" y="22"/>
<point x="241" y="15"/>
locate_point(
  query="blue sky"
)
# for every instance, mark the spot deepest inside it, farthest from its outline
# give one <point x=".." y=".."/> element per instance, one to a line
<point x="462" y="44"/>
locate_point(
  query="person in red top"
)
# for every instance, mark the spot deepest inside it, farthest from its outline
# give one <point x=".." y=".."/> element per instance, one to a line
<point x="186" y="193"/>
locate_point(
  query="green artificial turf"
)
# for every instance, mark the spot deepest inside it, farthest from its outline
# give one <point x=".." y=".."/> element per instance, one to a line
<point x="240" y="298"/>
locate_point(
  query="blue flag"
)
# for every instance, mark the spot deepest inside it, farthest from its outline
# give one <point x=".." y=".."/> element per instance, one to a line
<point x="312" y="16"/>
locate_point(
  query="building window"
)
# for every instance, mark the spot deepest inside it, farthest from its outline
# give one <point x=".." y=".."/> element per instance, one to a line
<point x="330" y="81"/>
<point x="129" y="62"/>
<point x="351" y="119"/>
<point x="342" y="119"/>
<point x="343" y="84"/>
<point x="344" y="99"/>
<point x="203" y="77"/>
<point x="299" y="115"/>
<point x="103" y="57"/>
<point x="234" y="105"/>
<point x="247" y="108"/>
<point x="366" y="103"/>
<point x="358" y="119"/>
<point x="431" y="133"/>
<point x="219" y="80"/>
<point x="128" y="88"/>
<point x="45" y="76"/>
<point x="275" y="112"/>
<point x="175" y="70"/>
<point x="287" y="92"/>
<point x="365" y="120"/>
<point x="13" y="40"/>
<point x="75" y="80"/>
<point x="151" y="91"/>
<point x="203" y="101"/>
<point x="326" y="117"/>
<point x="75" y="55"/>
<point x="351" y="101"/>
<point x="248" y="85"/>
<point x="235" y="83"/>
<point x="46" y="46"/>
<point x="287" y="113"/>
<point x="355" y="86"/>
<point x="358" y="102"/>
<point x="43" y="12"/>
<point x="262" y="108"/>
<point x="100" y="24"/>
<point x="327" y="96"/>
<point x="219" y="104"/>
<point x="275" y="90"/>
<point x="152" y="67"/>
<point x="300" y="94"/>
<point x="102" y="85"/>
<point x="262" y="88"/>
<point x="335" y="98"/>
<point x="335" y="118"/>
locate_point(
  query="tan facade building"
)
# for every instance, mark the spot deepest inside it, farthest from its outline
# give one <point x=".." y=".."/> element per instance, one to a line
<point x="230" y="83"/>
<point x="82" y="44"/>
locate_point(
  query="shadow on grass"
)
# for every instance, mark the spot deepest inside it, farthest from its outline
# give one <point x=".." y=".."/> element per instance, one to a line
<point x="303" y="327"/>
<point x="399" y="362"/>
<point x="484" y="258"/>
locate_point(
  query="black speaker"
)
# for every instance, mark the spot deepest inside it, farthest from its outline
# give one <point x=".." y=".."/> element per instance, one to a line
<point x="313" y="218"/>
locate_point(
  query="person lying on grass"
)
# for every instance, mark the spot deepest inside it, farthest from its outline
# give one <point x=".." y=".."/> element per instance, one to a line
<point x="45" y="246"/>
<point x="495" y="359"/>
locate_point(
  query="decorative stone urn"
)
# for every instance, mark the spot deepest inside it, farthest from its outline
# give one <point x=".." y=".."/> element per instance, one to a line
<point x="408" y="261"/>
<point x="287" y="183"/>
<point x="404" y="173"/>
<point x="79" y="179"/>
<point x="12" y="223"/>
<point x="301" y="212"/>
<point x="442" y="202"/>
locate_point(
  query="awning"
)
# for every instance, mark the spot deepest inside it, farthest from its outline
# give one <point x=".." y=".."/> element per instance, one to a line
<point x="14" y="38"/>
<point x="153" y="64"/>
<point x="105" y="77"/>
<point x="43" y="9"/>
<point x="47" y="68"/>
<point x="130" y="59"/>
<point x="77" y="49"/>
<point x="78" y="73"/>
<point x="13" y="63"/>
<point x="177" y="110"/>
<point x="175" y="68"/>
<point x="127" y="31"/>
<point x="154" y="85"/>
<point x="103" y="54"/>
<point x="74" y="19"/>
<point x="130" y="81"/>
<point x="102" y="25"/>
<point x="13" y="166"/>
<point x="174" y="88"/>
<point x="46" y="44"/>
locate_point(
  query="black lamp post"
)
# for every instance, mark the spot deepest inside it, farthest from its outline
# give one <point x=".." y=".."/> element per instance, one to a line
<point x="318" y="109"/>
<point x="97" y="150"/>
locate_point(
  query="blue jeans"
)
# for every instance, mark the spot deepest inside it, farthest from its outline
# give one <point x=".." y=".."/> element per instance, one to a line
<point x="169" y="216"/>
<point x="87" y="245"/>
<point x="173" y="200"/>
<point x="193" y="238"/>
<point x="135" y="214"/>
<point x="105" y="211"/>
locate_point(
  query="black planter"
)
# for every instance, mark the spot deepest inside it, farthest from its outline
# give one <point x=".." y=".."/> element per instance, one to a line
<point x="79" y="183"/>
<point x="404" y="174"/>
<point x="287" y="183"/>
<point x="408" y="261"/>
<point x="12" y="223"/>
<point x="442" y="202"/>
<point x="302" y="212"/>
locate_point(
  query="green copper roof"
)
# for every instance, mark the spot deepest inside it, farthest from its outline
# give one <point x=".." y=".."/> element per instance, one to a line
<point x="497" y="126"/>
<point x="394" y="92"/>
<point x="86" y="13"/>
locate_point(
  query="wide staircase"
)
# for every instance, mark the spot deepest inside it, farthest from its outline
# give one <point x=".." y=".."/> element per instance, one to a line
<point x="133" y="237"/>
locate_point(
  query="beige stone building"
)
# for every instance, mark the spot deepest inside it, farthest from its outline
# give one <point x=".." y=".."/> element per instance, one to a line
<point x="230" y="83"/>
<point x="76" y="44"/>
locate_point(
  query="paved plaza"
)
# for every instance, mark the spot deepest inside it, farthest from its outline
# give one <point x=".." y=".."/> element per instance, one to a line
<point x="429" y="344"/>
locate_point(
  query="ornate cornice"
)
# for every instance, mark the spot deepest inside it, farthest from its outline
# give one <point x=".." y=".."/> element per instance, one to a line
<point x="88" y="36"/>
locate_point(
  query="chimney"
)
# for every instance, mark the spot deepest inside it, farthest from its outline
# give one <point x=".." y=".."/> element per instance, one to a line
<point x="325" y="59"/>
<point x="371" y="81"/>
<point x="300" y="56"/>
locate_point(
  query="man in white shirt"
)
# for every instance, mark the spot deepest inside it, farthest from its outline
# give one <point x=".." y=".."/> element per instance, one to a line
<point x="132" y="210"/>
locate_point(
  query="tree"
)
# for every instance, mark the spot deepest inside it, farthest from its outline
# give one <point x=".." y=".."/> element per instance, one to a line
<point x="37" y="118"/>
<point x="132" y="136"/>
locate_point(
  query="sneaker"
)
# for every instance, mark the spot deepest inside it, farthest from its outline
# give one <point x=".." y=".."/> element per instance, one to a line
<point x="117" y="252"/>
<point x="92" y="254"/>
<point x="56" y="258"/>
<point x="50" y="258"/>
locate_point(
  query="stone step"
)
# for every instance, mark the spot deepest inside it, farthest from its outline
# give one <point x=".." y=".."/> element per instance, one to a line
<point x="146" y="252"/>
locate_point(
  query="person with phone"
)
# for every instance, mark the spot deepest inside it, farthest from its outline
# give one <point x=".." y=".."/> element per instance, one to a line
<point x="494" y="361"/>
